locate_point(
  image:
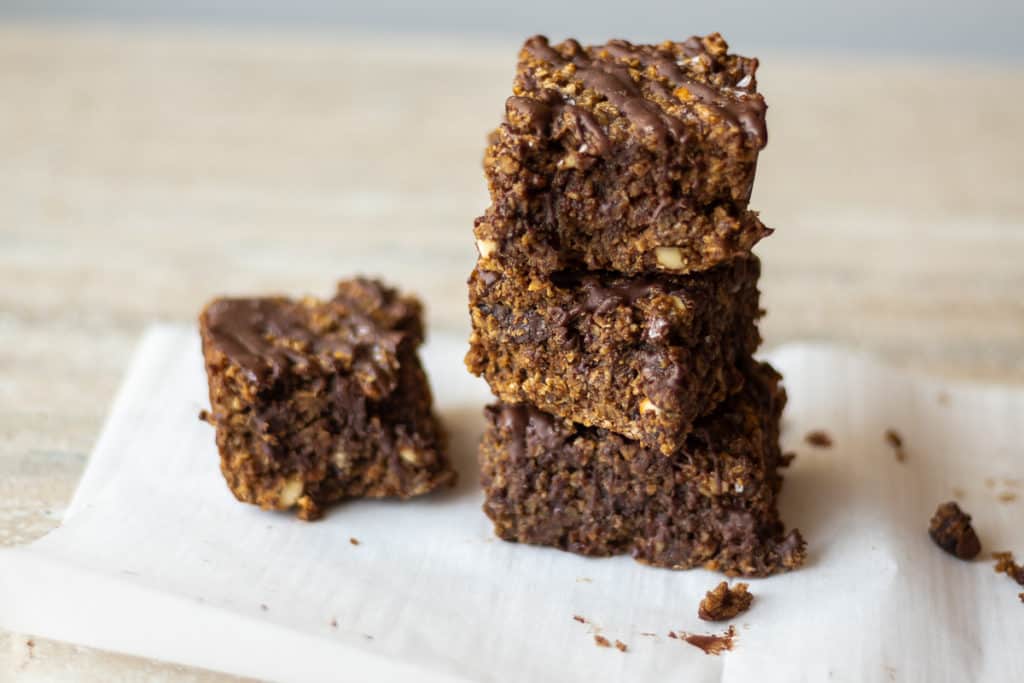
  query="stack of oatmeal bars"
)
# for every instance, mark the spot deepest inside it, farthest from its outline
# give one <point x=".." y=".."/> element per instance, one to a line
<point x="614" y="309"/>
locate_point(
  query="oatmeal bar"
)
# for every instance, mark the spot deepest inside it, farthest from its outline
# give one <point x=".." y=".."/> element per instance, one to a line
<point x="317" y="401"/>
<point x="616" y="150"/>
<point x="711" y="504"/>
<point x="680" y="240"/>
<point x="643" y="357"/>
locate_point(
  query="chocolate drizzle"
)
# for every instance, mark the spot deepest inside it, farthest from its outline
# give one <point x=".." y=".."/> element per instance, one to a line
<point x="521" y="421"/>
<point x="358" y="332"/>
<point x="604" y="70"/>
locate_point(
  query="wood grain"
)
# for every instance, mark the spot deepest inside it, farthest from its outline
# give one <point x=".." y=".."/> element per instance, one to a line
<point x="144" y="171"/>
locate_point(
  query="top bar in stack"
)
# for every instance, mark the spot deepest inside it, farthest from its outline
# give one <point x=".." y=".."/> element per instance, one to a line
<point x="624" y="157"/>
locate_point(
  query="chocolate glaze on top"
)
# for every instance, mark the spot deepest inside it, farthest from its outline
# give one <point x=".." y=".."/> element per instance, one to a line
<point x="603" y="70"/>
<point x="357" y="332"/>
<point x="520" y="419"/>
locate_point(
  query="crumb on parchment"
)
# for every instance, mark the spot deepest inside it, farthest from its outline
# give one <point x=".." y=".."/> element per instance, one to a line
<point x="819" y="438"/>
<point x="724" y="602"/>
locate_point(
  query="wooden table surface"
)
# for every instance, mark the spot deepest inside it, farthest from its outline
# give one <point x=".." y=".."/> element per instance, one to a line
<point x="143" y="171"/>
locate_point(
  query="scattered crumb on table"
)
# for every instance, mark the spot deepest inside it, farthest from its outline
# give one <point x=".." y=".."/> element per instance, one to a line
<point x="723" y="602"/>
<point x="579" y="618"/>
<point x="1007" y="497"/>
<point x="1006" y="565"/>
<point x="648" y="634"/>
<point x="584" y="579"/>
<point x="602" y="641"/>
<point x="712" y="643"/>
<point x="819" y="438"/>
<point x="959" y="492"/>
<point x="264" y="608"/>
<point x="943" y="398"/>
<point x="990" y="482"/>
<point x="334" y="623"/>
<point x="672" y="634"/>
<point x="367" y="636"/>
<point x="353" y="540"/>
<point x="950" y="528"/>
<point x="893" y="438"/>
<point x="621" y="646"/>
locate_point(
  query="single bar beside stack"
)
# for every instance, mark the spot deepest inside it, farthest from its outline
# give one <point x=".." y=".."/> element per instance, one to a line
<point x="614" y="308"/>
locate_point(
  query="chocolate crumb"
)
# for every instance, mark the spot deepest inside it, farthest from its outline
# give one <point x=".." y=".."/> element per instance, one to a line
<point x="723" y="603"/>
<point x="893" y="438"/>
<point x="951" y="530"/>
<point x="1006" y="565"/>
<point x="579" y="618"/>
<point x="786" y="459"/>
<point x="602" y="641"/>
<point x="264" y="608"/>
<point x="1021" y="596"/>
<point x="354" y="540"/>
<point x="819" y="438"/>
<point x="1007" y="497"/>
<point x="621" y="646"/>
<point x="713" y="643"/>
<point x="672" y="634"/>
<point x="204" y="416"/>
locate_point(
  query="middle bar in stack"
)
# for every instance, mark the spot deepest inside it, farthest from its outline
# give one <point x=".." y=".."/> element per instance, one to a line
<point x="614" y="309"/>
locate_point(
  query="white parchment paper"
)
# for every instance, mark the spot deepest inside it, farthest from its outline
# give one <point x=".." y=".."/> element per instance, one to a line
<point x="156" y="558"/>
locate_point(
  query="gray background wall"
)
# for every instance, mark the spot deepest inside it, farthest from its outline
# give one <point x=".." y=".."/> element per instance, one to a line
<point x="979" y="29"/>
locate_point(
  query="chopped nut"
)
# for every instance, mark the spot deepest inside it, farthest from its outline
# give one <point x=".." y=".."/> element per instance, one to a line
<point x="410" y="456"/>
<point x="819" y="438"/>
<point x="648" y="406"/>
<point x="507" y="165"/>
<point x="723" y="603"/>
<point x="486" y="247"/>
<point x="951" y="530"/>
<point x="290" y="492"/>
<point x="670" y="258"/>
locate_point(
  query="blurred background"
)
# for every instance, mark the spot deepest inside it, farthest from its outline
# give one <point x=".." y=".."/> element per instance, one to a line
<point x="156" y="154"/>
<point x="985" y="28"/>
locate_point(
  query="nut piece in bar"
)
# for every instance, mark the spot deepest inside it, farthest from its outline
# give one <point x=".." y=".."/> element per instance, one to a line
<point x="318" y="401"/>
<point x="642" y="356"/>
<point x="712" y="503"/>
<point x="723" y="602"/>
<point x="951" y="530"/>
<point x="630" y="157"/>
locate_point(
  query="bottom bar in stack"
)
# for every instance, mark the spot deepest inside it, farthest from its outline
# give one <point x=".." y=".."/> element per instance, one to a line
<point x="710" y="504"/>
